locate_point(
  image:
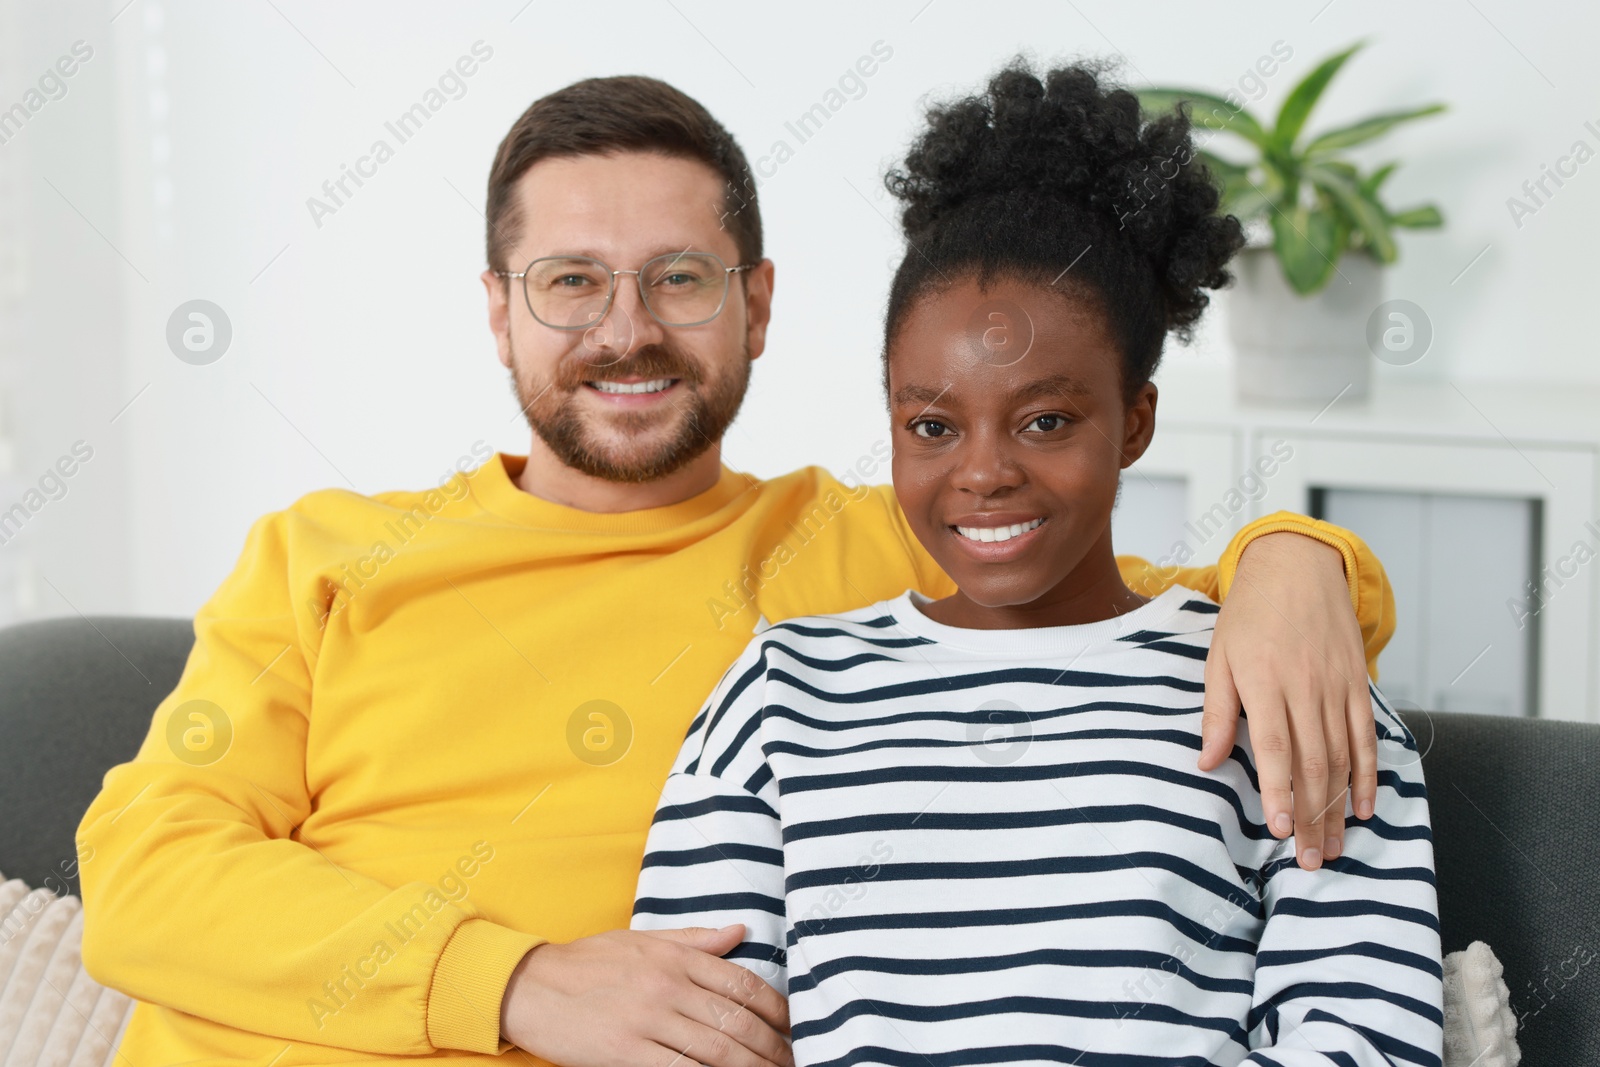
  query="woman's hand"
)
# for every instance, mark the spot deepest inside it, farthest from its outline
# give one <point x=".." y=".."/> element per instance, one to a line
<point x="1288" y="647"/>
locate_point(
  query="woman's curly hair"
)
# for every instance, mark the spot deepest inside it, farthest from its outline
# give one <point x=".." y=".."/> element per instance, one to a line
<point x="1058" y="181"/>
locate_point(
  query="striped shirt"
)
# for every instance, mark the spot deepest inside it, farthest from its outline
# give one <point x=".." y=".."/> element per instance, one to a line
<point x="957" y="846"/>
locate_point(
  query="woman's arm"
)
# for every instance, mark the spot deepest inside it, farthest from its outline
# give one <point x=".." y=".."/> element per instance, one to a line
<point x="714" y="856"/>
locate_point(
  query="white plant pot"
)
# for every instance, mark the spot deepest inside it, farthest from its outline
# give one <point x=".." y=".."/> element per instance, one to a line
<point x="1294" y="349"/>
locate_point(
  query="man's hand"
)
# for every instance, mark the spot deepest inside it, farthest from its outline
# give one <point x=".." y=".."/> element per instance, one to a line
<point x="1287" y="645"/>
<point x="645" y="998"/>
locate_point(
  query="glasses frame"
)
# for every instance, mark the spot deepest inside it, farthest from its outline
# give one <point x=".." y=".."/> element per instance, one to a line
<point x="611" y="296"/>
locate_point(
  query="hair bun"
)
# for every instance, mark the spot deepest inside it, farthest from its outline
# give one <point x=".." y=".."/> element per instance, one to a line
<point x="1068" y="145"/>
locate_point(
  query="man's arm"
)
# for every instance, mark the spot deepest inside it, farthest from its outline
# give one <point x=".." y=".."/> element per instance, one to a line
<point x="1306" y="608"/>
<point x="1362" y="575"/>
<point x="199" y="897"/>
<point x="714" y="857"/>
<point x="1348" y="966"/>
<point x="1305" y="612"/>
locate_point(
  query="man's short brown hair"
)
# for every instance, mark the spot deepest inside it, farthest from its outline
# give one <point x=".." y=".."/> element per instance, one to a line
<point x="628" y="113"/>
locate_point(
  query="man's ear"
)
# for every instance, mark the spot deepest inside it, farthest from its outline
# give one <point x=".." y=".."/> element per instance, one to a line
<point x="1139" y="425"/>
<point x="758" y="305"/>
<point x="499" y="292"/>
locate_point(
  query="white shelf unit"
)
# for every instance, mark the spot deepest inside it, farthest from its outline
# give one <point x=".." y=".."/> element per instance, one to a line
<point x="1467" y="492"/>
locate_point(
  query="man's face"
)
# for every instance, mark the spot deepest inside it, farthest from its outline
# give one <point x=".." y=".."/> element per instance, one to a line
<point x="624" y="209"/>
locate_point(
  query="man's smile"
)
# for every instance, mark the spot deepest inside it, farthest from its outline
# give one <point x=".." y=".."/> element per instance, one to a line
<point x="633" y="392"/>
<point x="654" y="385"/>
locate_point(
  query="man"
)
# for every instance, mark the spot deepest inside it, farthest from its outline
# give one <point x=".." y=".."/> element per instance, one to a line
<point x="397" y="803"/>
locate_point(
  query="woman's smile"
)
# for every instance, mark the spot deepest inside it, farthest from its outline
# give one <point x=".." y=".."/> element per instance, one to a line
<point x="996" y="538"/>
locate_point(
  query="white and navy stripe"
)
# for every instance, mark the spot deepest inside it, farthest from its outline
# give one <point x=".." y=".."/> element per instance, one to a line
<point x="958" y="846"/>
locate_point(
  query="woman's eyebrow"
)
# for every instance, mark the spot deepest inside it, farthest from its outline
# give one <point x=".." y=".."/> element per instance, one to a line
<point x="1053" y="385"/>
<point x="918" y="394"/>
<point x="1050" y="386"/>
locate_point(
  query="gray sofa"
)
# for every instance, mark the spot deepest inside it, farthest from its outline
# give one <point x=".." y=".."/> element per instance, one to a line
<point x="1518" y="862"/>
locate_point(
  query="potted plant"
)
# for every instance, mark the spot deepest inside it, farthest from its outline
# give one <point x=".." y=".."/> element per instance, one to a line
<point x="1311" y="274"/>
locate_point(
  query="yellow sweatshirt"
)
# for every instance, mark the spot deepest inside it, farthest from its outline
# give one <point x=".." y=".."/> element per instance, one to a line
<point x="421" y="732"/>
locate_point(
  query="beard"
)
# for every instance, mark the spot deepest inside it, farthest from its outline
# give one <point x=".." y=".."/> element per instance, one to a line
<point x="694" y="422"/>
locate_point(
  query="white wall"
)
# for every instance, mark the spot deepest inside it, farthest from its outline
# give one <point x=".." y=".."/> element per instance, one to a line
<point x="360" y="356"/>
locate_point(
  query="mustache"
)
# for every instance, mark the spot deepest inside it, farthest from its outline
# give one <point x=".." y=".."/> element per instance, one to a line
<point x="651" y="361"/>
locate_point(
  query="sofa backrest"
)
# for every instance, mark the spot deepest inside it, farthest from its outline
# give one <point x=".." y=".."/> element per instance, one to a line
<point x="1518" y="864"/>
<point x="1517" y="858"/>
<point x="76" y="700"/>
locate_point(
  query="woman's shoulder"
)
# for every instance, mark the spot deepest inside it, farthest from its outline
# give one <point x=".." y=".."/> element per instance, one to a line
<point x="1175" y="622"/>
<point x="816" y="650"/>
<point x="872" y="624"/>
<point x="817" y="640"/>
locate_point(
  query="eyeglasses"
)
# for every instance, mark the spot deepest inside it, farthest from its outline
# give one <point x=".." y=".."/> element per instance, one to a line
<point x="575" y="292"/>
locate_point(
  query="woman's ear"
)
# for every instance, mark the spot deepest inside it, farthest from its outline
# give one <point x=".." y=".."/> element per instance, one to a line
<point x="1139" y="424"/>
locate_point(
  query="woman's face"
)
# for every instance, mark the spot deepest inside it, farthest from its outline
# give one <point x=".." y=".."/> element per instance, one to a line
<point x="1010" y="430"/>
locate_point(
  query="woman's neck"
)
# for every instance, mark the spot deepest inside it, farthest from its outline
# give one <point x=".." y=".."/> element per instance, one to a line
<point x="1092" y="592"/>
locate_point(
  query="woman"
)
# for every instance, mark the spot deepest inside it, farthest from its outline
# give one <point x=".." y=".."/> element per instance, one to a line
<point x="970" y="830"/>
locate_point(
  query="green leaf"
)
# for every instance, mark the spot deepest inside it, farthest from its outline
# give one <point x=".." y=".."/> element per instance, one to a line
<point x="1229" y="178"/>
<point x="1308" y="242"/>
<point x="1222" y="168"/>
<point x="1363" y="212"/>
<point x="1338" y="166"/>
<point x="1246" y="198"/>
<point x="1376" y="228"/>
<point x="1275" y="182"/>
<point x="1369" y="185"/>
<point x="1418" y="218"/>
<point x="1208" y="110"/>
<point x="1245" y="204"/>
<point x="1366" y="130"/>
<point x="1297" y="108"/>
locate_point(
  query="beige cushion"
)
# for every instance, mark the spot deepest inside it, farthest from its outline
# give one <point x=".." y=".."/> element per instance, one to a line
<point x="1480" y="1029"/>
<point x="52" y="1014"/>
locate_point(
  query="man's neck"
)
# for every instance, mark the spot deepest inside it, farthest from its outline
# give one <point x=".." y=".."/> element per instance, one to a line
<point x="547" y="478"/>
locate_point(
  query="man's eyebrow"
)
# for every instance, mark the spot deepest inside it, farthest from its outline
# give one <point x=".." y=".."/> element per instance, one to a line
<point x="1054" y="385"/>
<point x="589" y="253"/>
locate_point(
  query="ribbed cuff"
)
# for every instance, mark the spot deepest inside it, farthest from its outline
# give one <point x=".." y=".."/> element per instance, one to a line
<point x="469" y="982"/>
<point x="1289" y="522"/>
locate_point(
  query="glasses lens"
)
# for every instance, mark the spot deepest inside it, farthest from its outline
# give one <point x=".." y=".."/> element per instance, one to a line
<point x="567" y="292"/>
<point x="684" y="288"/>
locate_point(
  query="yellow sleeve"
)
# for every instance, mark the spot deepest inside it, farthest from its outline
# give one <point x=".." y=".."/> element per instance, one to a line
<point x="198" y="894"/>
<point x="842" y="548"/>
<point x="1370" y="593"/>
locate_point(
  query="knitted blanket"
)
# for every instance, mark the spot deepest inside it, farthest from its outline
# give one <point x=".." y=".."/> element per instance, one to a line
<point x="52" y="1014"/>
